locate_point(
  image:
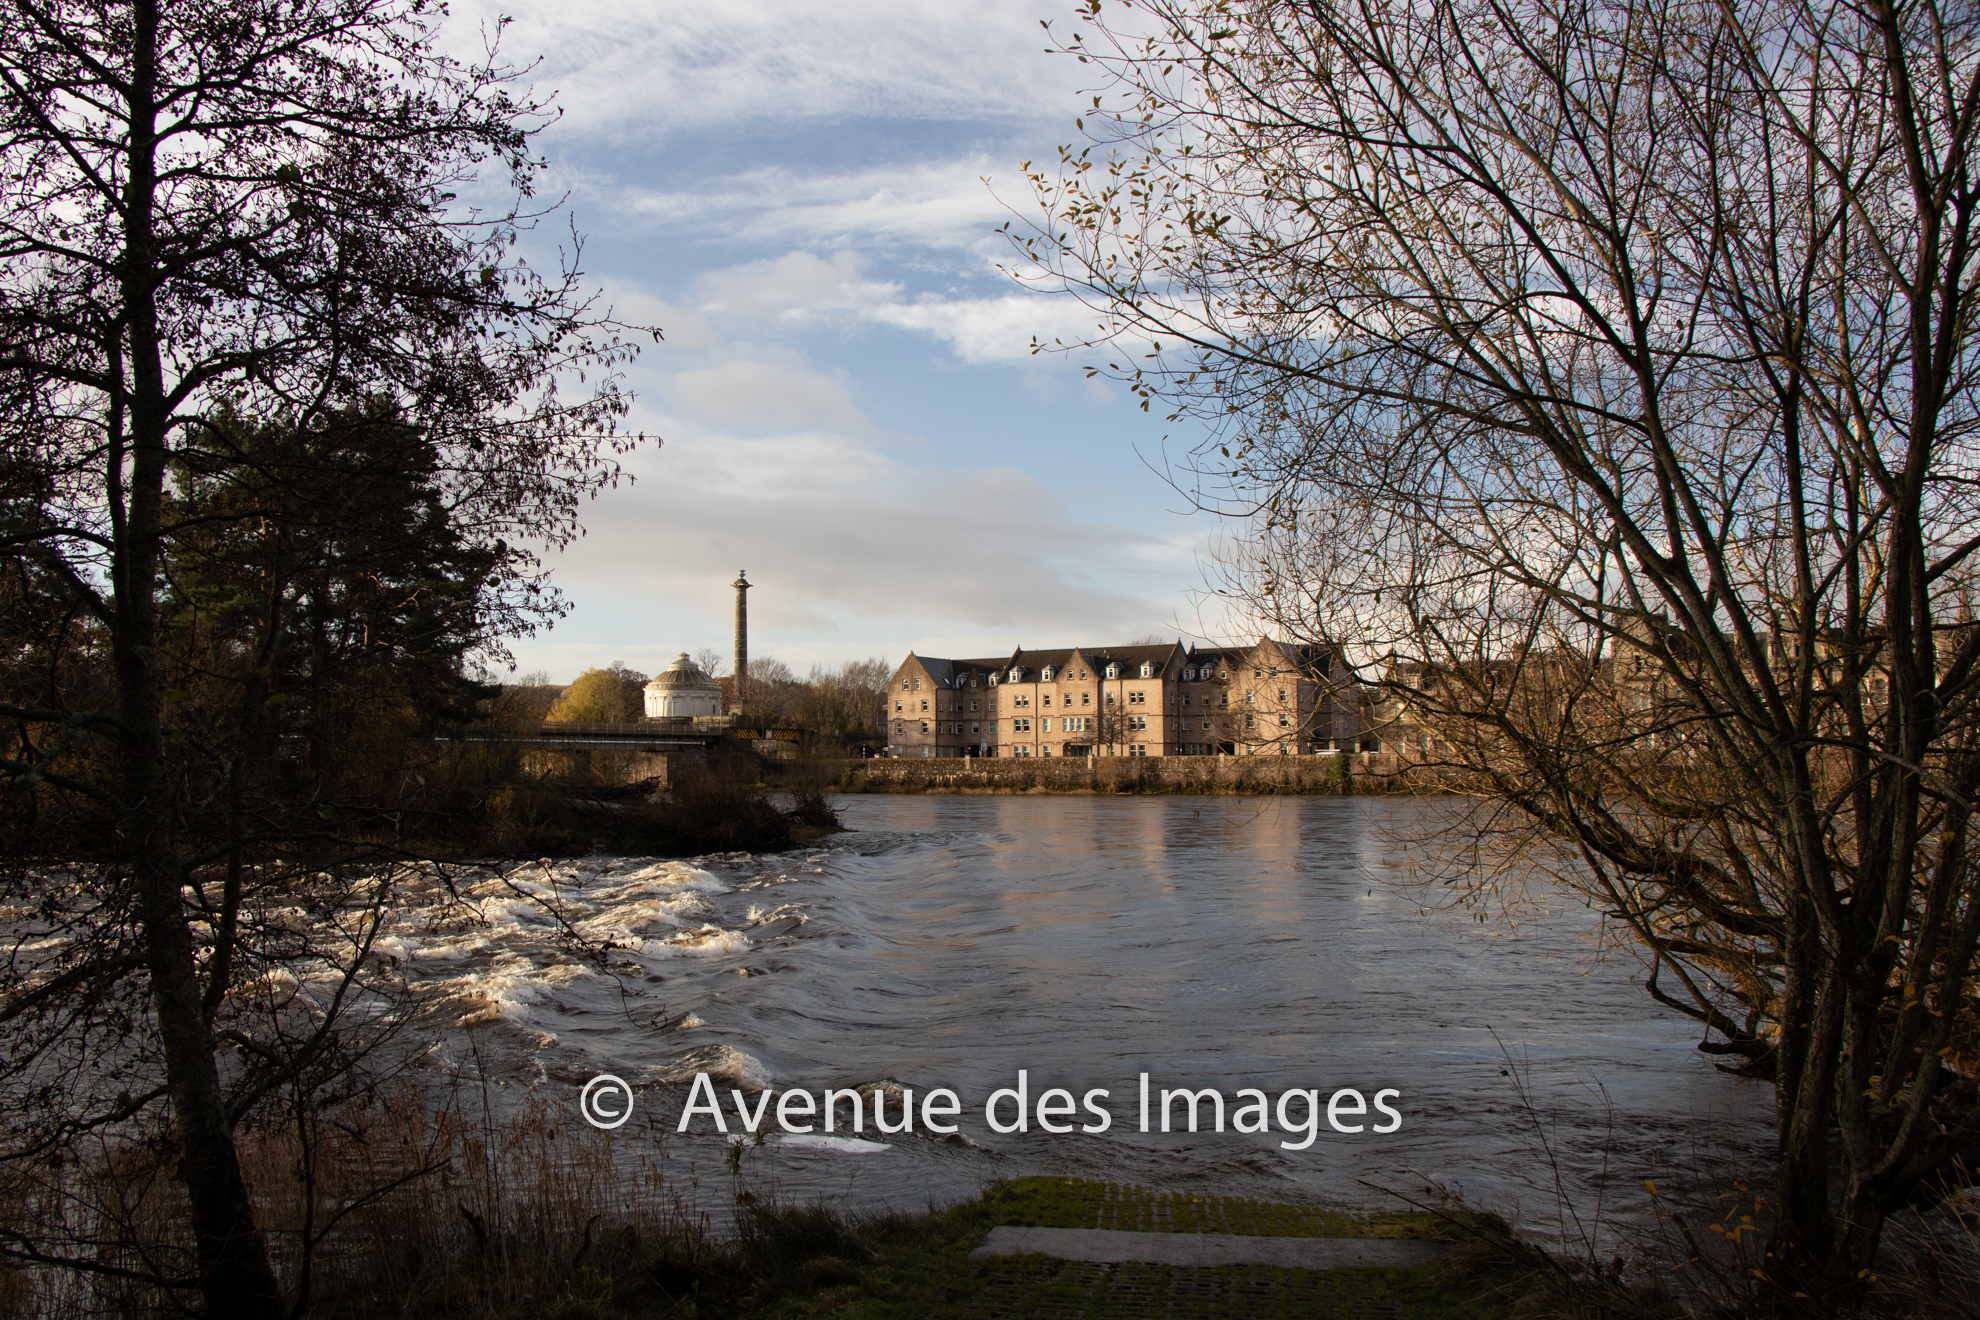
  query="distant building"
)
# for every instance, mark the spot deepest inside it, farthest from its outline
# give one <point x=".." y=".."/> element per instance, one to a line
<point x="1167" y="700"/>
<point x="681" y="690"/>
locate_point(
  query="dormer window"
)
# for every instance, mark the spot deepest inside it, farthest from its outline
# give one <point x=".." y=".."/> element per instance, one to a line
<point x="1045" y="674"/>
<point x="1189" y="675"/>
<point x="993" y="680"/>
<point x="1147" y="670"/>
<point x="1113" y="671"/>
<point x="1017" y="675"/>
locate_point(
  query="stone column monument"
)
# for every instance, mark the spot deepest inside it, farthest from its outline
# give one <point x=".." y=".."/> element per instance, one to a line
<point x="741" y="584"/>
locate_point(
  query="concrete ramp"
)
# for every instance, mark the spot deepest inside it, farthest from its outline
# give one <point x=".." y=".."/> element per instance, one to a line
<point x="1200" y="1250"/>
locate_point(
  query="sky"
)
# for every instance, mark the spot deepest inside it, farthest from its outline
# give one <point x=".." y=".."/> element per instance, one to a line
<point x="804" y="197"/>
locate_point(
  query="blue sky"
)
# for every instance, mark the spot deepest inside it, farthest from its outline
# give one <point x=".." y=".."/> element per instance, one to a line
<point x="794" y="191"/>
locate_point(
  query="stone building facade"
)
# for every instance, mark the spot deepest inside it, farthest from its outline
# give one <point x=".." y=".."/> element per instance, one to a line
<point x="1165" y="700"/>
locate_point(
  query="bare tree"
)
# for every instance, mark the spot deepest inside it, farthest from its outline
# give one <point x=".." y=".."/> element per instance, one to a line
<point x="843" y="702"/>
<point x="245" y="208"/>
<point x="1601" y="378"/>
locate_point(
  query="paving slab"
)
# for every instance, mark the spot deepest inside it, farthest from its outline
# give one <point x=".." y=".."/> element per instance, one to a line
<point x="1200" y="1250"/>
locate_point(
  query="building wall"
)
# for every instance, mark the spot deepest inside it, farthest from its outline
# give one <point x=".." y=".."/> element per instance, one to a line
<point x="680" y="703"/>
<point x="936" y="711"/>
<point x="1359" y="773"/>
<point x="1159" y="701"/>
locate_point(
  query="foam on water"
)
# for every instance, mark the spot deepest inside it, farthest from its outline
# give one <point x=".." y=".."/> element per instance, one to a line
<point x="948" y="943"/>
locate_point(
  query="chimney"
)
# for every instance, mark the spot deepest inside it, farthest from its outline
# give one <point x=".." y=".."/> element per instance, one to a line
<point x="741" y="584"/>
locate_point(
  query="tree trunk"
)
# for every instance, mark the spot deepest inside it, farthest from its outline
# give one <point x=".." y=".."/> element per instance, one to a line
<point x="235" y="1274"/>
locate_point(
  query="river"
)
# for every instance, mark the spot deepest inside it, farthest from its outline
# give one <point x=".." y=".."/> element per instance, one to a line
<point x="1225" y="943"/>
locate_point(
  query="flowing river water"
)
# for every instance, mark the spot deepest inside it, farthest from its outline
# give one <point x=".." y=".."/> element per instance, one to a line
<point x="1208" y="942"/>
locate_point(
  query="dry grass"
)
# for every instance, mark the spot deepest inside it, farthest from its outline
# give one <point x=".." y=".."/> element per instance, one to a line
<point x="383" y="1207"/>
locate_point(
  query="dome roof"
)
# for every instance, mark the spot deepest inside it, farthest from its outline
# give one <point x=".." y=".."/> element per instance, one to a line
<point x="683" y="673"/>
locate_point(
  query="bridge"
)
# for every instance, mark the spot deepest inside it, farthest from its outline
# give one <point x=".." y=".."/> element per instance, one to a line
<point x="694" y="733"/>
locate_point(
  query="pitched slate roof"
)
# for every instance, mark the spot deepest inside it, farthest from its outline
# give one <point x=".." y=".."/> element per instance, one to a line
<point x="946" y="671"/>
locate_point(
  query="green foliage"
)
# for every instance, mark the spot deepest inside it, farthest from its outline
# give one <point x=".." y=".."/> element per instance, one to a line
<point x="1338" y="777"/>
<point x="612" y="694"/>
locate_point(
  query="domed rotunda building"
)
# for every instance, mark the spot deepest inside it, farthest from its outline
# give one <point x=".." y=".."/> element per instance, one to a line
<point x="681" y="690"/>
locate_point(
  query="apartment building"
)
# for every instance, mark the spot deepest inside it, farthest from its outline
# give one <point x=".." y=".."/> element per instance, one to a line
<point x="1163" y="700"/>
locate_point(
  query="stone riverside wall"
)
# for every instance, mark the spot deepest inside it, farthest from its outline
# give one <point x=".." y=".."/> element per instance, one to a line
<point x="1368" y="772"/>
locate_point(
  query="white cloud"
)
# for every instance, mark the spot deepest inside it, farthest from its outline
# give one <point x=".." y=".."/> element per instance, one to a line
<point x="851" y="548"/>
<point x="800" y="290"/>
<point x="792" y="287"/>
<point x="773" y="394"/>
<point x="659" y="69"/>
<point x="933" y="204"/>
<point x="987" y="330"/>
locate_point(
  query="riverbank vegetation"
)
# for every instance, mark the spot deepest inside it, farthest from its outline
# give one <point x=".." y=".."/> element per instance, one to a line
<point x="283" y="422"/>
<point x="387" y="1207"/>
<point x="1599" y="381"/>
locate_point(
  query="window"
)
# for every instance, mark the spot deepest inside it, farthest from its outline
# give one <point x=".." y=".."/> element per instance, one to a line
<point x="973" y="706"/>
<point x="917" y="685"/>
<point x="1282" y="719"/>
<point x="1048" y="727"/>
<point x="1082" y="675"/>
<point x="900" y="726"/>
<point x="1224" y="699"/>
<point x="1045" y="674"/>
<point x="897" y="705"/>
<point x="1258" y="673"/>
<point x="1282" y="694"/>
<point x="976" y="728"/>
<point x="1113" y="671"/>
<point x="1189" y="676"/>
<point x="1247" y="698"/>
<point x="1137" y="698"/>
<point x="924" y="705"/>
<point x="1086" y="698"/>
<point x="924" y="726"/>
<point x="1185" y="698"/>
<point x="1251" y="721"/>
<point x="1016" y="674"/>
<point x="904" y="685"/>
<point x="993" y="680"/>
<point x="1020" y="726"/>
<point x="1110" y="698"/>
<point x="1046" y="700"/>
<point x="1137" y="721"/>
<point x="1046" y="750"/>
<point x="1206" y="726"/>
<point x="1147" y="670"/>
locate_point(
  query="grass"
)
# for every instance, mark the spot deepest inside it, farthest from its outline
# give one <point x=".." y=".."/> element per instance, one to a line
<point x="900" y="1266"/>
<point x="415" y="1212"/>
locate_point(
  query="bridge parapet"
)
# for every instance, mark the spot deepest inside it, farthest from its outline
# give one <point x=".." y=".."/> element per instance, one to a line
<point x="782" y="742"/>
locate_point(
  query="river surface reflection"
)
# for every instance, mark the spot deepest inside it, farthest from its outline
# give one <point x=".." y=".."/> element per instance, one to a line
<point x="1211" y="942"/>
